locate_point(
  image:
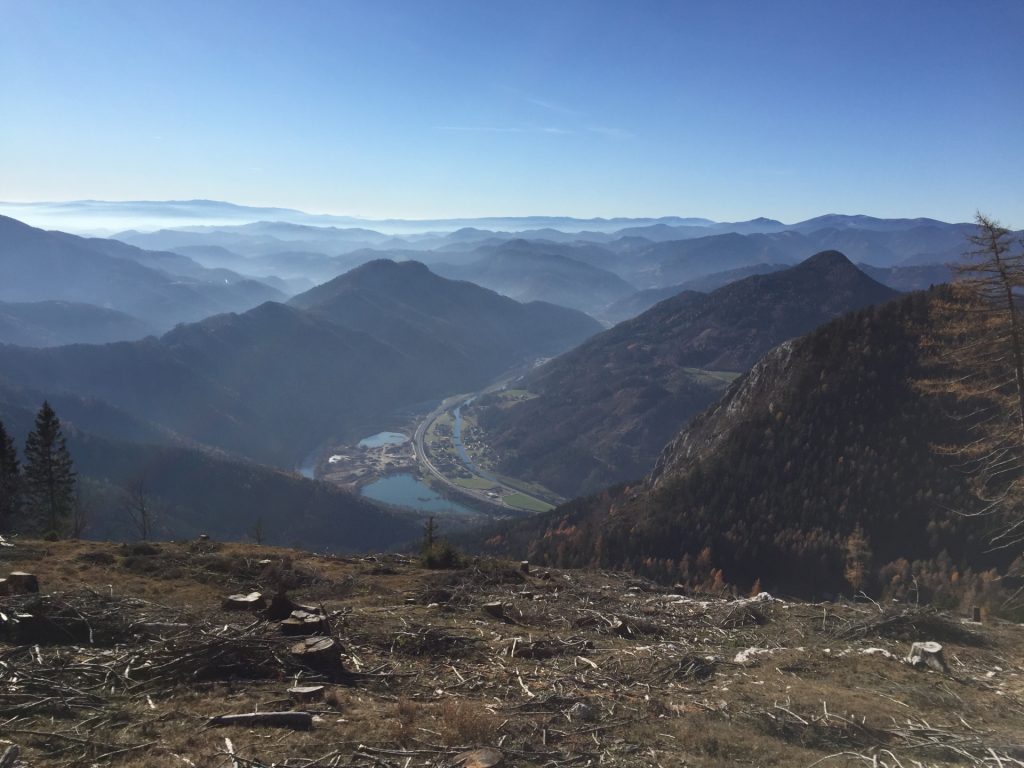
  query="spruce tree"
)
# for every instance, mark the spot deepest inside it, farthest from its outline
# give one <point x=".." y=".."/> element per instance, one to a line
<point x="49" y="478"/>
<point x="10" y="481"/>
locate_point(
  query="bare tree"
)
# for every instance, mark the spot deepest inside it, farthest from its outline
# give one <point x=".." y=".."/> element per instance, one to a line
<point x="977" y="346"/>
<point x="139" y="507"/>
<point x="81" y="512"/>
<point x="258" y="533"/>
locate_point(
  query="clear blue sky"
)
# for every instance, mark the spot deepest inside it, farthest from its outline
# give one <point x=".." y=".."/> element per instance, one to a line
<point x="418" y="109"/>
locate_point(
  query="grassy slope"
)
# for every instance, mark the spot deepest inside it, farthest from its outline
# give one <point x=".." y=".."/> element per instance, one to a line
<point x="442" y="676"/>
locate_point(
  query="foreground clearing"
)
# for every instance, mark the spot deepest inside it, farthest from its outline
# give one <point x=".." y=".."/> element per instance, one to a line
<point x="127" y="655"/>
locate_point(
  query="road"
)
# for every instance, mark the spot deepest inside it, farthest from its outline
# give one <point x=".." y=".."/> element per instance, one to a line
<point x="419" y="437"/>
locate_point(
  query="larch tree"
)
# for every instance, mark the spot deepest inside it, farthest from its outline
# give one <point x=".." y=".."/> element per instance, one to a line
<point x="977" y="351"/>
<point x="10" y="481"/>
<point x="49" y="478"/>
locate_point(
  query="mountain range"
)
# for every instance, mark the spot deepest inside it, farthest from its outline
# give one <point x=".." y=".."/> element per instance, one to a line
<point x="820" y="456"/>
<point x="157" y="289"/>
<point x="604" y="410"/>
<point x="273" y="383"/>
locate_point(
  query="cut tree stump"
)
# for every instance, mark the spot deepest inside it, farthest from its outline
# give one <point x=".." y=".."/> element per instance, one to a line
<point x="299" y="721"/>
<point x="251" y="601"/>
<point x="927" y="655"/>
<point x="306" y="693"/>
<point x="304" y="623"/>
<point x="21" y="583"/>
<point x="321" y="654"/>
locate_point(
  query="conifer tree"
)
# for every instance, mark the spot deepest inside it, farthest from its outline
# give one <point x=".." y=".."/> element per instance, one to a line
<point x="49" y="478"/>
<point x="977" y="347"/>
<point x="10" y="481"/>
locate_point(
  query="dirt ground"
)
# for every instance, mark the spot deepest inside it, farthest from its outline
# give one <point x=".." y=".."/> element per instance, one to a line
<point x="126" y="655"/>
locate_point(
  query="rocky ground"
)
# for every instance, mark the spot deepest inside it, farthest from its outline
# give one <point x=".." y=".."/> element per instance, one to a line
<point x="128" y="655"/>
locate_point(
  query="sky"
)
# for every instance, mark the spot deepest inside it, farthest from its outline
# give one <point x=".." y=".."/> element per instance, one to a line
<point x="441" y="108"/>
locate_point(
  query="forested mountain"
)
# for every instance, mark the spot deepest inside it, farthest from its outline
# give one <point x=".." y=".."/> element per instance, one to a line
<point x="817" y="465"/>
<point x="53" y="266"/>
<point x="191" y="491"/>
<point x="605" y="409"/>
<point x="274" y="382"/>
<point x="53" y="323"/>
<point x="409" y="306"/>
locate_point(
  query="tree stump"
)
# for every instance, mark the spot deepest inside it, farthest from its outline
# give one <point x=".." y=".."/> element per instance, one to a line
<point x="304" y="623"/>
<point x="524" y="566"/>
<point x="20" y="583"/>
<point x="927" y="655"/>
<point x="251" y="601"/>
<point x="306" y="693"/>
<point x="321" y="654"/>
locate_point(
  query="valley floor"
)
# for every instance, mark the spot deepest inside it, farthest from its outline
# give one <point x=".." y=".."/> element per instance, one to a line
<point x="127" y="653"/>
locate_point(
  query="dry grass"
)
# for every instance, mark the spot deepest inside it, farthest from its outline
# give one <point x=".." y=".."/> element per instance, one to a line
<point x="467" y="723"/>
<point x="587" y="666"/>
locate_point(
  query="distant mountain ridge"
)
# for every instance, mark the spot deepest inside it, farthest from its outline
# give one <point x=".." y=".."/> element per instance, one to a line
<point x="40" y="266"/>
<point x="525" y="273"/>
<point x="606" y="409"/>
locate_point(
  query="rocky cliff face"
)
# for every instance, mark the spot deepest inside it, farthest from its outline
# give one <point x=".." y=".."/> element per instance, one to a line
<point x="750" y="393"/>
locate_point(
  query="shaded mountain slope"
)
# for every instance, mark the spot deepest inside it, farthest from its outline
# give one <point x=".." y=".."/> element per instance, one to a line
<point x="818" y="457"/>
<point x="527" y="274"/>
<point x="406" y="297"/>
<point x="42" y="266"/>
<point x="52" y="323"/>
<point x="274" y="382"/>
<point x="195" y="491"/>
<point x="605" y="409"/>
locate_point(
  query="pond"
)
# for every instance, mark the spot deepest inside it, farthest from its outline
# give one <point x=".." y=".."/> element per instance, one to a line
<point x="383" y="438"/>
<point x="405" y="490"/>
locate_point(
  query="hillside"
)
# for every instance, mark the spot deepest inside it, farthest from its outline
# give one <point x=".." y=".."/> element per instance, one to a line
<point x="53" y="323"/>
<point x="191" y="490"/>
<point x="531" y="274"/>
<point x="273" y="383"/>
<point x="406" y="299"/>
<point x="38" y="266"/>
<point x="605" y="410"/>
<point x="478" y="666"/>
<point x="822" y="450"/>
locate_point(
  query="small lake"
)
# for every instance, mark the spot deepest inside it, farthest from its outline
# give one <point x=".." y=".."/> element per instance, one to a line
<point x="383" y="438"/>
<point x="404" y="490"/>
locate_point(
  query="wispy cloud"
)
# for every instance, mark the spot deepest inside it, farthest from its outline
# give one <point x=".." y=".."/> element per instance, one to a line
<point x="550" y="130"/>
<point x="552" y="107"/>
<point x="609" y="132"/>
